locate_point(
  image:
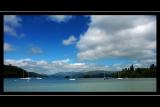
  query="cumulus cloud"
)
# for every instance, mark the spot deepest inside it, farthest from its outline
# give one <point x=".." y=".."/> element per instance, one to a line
<point x="11" y="22"/>
<point x="61" y="61"/>
<point x="125" y="36"/>
<point x="8" y="47"/>
<point x="55" y="66"/>
<point x="10" y="30"/>
<point x="42" y="66"/>
<point x="69" y="41"/>
<point x="59" y="18"/>
<point x="36" y="50"/>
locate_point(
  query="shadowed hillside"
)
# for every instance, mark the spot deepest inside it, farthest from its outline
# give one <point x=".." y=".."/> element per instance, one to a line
<point x="10" y="71"/>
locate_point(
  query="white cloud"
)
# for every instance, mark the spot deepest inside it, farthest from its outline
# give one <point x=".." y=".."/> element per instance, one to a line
<point x="42" y="66"/>
<point x="46" y="67"/>
<point x="10" y="30"/>
<point x="8" y="47"/>
<point x="11" y="22"/>
<point x="78" y="64"/>
<point x="36" y="50"/>
<point x="59" y="18"/>
<point x="61" y="61"/>
<point x="42" y="62"/>
<point x="69" y="41"/>
<point x="132" y="37"/>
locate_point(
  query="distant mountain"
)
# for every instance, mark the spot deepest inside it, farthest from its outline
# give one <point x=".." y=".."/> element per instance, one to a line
<point x="33" y="74"/>
<point x="89" y="74"/>
<point x="10" y="71"/>
<point x="64" y="74"/>
<point x="94" y="74"/>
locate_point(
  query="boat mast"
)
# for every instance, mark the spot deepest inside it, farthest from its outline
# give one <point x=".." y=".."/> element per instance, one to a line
<point x="71" y="74"/>
<point x="23" y="74"/>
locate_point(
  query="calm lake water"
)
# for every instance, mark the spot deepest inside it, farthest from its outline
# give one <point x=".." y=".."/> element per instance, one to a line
<point x="80" y="85"/>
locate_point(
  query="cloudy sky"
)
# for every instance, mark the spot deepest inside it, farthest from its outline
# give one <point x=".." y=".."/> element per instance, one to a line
<point x="63" y="43"/>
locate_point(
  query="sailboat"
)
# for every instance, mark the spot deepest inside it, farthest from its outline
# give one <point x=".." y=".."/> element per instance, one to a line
<point x="72" y="78"/>
<point x="119" y="76"/>
<point x="104" y="76"/>
<point x="38" y="78"/>
<point x="25" y="78"/>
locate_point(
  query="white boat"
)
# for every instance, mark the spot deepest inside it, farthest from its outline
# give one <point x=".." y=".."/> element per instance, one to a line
<point x="38" y="78"/>
<point x="104" y="76"/>
<point x="119" y="77"/>
<point x="72" y="79"/>
<point x="26" y="78"/>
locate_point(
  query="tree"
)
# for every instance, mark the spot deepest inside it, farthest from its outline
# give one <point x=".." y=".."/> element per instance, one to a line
<point x="125" y="69"/>
<point x="132" y="68"/>
<point x="138" y="70"/>
<point x="67" y="77"/>
<point x="152" y="67"/>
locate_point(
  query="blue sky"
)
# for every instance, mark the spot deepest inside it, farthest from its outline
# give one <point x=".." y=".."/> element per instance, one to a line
<point x="41" y="32"/>
<point x="57" y="43"/>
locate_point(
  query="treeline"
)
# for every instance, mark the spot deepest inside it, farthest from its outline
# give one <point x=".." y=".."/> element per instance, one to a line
<point x="10" y="71"/>
<point x="132" y="72"/>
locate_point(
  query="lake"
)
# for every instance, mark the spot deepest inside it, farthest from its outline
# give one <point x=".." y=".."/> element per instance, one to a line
<point x="80" y="85"/>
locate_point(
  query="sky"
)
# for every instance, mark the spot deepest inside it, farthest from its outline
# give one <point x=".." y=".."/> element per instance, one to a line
<point x="71" y="43"/>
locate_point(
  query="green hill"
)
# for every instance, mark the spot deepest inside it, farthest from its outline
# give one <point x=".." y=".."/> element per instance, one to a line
<point x="10" y="71"/>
